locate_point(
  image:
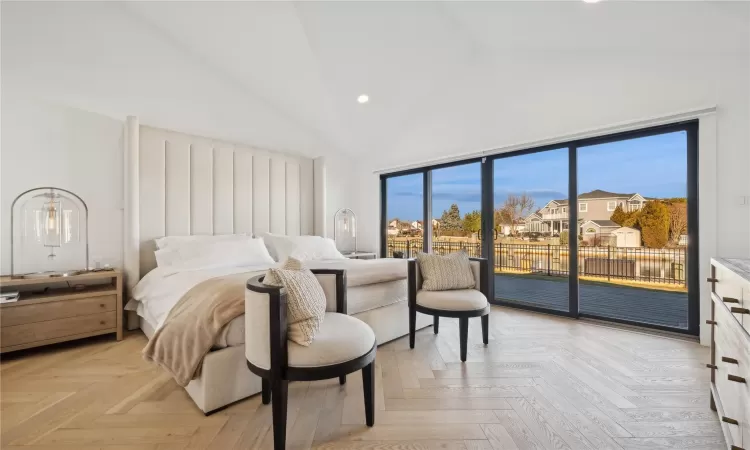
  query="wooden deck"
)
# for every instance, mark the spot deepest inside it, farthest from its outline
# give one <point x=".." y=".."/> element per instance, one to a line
<point x="646" y="306"/>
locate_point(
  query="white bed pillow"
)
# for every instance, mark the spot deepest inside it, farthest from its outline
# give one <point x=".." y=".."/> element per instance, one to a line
<point x="303" y="248"/>
<point x="176" y="241"/>
<point x="222" y="253"/>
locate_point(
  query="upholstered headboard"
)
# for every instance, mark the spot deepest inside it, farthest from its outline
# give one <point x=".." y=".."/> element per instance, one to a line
<point x="178" y="184"/>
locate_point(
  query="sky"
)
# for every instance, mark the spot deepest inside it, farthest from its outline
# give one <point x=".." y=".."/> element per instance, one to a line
<point x="653" y="166"/>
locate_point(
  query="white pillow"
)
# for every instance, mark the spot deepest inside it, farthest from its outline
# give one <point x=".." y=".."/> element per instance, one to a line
<point x="303" y="248"/>
<point x="315" y="250"/>
<point x="222" y="253"/>
<point x="176" y="241"/>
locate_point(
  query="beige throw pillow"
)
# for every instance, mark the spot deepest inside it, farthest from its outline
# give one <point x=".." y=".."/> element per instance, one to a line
<point x="443" y="273"/>
<point x="306" y="301"/>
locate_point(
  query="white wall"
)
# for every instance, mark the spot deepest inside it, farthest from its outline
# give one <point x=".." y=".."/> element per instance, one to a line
<point x="45" y="144"/>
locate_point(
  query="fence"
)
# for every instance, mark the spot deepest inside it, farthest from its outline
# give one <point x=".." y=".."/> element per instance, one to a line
<point x="668" y="265"/>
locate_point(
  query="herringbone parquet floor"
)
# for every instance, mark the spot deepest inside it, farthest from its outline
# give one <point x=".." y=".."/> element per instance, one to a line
<point x="542" y="383"/>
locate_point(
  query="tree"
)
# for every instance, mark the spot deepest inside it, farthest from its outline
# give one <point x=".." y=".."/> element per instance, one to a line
<point x="654" y="223"/>
<point x="515" y="207"/>
<point x="677" y="221"/>
<point x="564" y="234"/>
<point x="501" y="219"/>
<point x="619" y="216"/>
<point x="472" y="222"/>
<point x="450" y="221"/>
<point x="624" y="219"/>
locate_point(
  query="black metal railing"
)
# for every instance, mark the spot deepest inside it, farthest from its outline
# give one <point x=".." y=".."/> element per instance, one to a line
<point x="667" y="265"/>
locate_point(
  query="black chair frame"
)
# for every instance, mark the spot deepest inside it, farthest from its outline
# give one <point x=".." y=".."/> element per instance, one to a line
<point x="275" y="381"/>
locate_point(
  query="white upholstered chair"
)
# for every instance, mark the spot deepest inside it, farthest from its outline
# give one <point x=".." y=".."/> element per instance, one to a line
<point x="343" y="344"/>
<point x="461" y="303"/>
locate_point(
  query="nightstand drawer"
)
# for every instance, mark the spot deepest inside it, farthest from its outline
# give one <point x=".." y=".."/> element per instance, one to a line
<point x="53" y="329"/>
<point x="20" y="314"/>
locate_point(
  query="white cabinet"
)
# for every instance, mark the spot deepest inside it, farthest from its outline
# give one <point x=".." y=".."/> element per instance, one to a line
<point x="730" y="348"/>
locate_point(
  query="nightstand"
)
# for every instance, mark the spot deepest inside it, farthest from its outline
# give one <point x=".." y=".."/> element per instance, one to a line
<point x="361" y="255"/>
<point x="58" y="309"/>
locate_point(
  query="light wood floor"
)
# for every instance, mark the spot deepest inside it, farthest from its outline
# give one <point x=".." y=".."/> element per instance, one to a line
<point x="543" y="382"/>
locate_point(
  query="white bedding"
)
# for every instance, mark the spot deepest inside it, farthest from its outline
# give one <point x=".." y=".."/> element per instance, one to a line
<point x="370" y="284"/>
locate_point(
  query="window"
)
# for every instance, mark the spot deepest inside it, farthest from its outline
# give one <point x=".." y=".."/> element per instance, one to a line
<point x="404" y="200"/>
<point x="564" y="210"/>
<point x="611" y="206"/>
<point x="583" y="207"/>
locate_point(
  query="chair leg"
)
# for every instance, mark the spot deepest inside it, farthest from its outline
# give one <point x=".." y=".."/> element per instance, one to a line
<point x="279" y="404"/>
<point x="412" y="326"/>
<point x="368" y="386"/>
<point x="342" y="379"/>
<point x="486" y="329"/>
<point x="265" y="391"/>
<point x="463" y="335"/>
<point x="435" y="324"/>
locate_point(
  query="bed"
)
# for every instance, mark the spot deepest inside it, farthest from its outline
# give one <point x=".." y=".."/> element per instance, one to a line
<point x="182" y="185"/>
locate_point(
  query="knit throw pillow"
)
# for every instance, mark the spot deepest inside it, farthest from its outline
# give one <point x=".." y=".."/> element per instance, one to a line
<point x="443" y="273"/>
<point x="305" y="300"/>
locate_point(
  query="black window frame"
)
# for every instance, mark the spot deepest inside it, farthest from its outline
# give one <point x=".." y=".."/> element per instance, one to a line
<point x="487" y="203"/>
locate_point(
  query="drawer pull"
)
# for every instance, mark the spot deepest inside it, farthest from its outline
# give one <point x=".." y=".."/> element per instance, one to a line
<point x="101" y="322"/>
<point x="711" y="366"/>
<point x="102" y="305"/>
<point x="712" y="280"/>
<point x="728" y="420"/>
<point x="740" y="310"/>
<point x="729" y="360"/>
<point x="736" y="379"/>
<point x="711" y="322"/>
<point x="730" y="300"/>
<point x="734" y="447"/>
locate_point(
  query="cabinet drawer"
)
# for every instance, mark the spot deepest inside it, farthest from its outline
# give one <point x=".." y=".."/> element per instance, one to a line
<point x="730" y="394"/>
<point x="40" y="312"/>
<point x="729" y="288"/>
<point x="52" y="329"/>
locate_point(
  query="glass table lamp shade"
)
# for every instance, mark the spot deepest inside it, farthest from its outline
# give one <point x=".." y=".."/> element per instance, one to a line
<point x="49" y="232"/>
<point x="345" y="230"/>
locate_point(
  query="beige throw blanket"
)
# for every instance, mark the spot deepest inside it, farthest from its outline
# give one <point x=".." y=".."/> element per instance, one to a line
<point x="191" y="327"/>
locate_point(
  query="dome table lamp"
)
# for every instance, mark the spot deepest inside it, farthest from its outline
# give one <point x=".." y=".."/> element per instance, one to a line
<point x="49" y="234"/>
<point x="345" y="231"/>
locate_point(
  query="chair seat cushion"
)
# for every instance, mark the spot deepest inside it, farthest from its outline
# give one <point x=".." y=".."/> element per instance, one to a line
<point x="341" y="338"/>
<point x="455" y="300"/>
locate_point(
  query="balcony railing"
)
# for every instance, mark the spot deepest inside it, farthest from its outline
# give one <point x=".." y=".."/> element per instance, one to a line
<point x="650" y="265"/>
<point x="557" y="216"/>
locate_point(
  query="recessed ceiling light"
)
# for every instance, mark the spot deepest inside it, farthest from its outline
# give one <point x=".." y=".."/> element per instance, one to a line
<point x="591" y="1"/>
<point x="363" y="98"/>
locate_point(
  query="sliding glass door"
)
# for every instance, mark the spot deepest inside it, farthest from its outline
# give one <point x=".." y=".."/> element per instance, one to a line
<point x="531" y="232"/>
<point x="624" y="250"/>
<point x="457" y="209"/>
<point x="633" y="230"/>
<point x="404" y="207"/>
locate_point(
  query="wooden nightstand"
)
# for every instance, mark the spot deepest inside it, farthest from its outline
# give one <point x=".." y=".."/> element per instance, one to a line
<point x="361" y="255"/>
<point x="52" y="310"/>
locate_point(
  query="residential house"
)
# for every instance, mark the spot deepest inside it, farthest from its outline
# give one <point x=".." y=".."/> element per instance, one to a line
<point x="598" y="232"/>
<point x="597" y="205"/>
<point x="397" y="227"/>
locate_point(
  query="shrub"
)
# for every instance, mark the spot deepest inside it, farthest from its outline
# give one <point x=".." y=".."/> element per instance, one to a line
<point x="654" y="223"/>
<point x="564" y="237"/>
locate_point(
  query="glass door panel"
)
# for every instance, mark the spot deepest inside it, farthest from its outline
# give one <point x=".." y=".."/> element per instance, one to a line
<point x="632" y="230"/>
<point x="531" y="230"/>
<point x="456" y="209"/>
<point x="404" y="210"/>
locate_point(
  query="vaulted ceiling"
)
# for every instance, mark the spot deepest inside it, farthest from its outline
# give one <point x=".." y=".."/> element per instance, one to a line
<point x="441" y="76"/>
